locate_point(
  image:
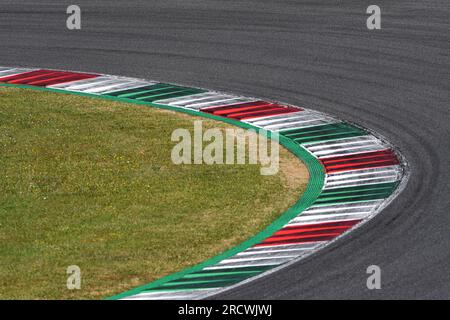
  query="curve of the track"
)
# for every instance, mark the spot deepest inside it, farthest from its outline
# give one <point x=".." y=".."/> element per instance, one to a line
<point x="320" y="54"/>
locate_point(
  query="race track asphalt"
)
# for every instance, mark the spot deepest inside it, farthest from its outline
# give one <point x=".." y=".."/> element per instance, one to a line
<point x="319" y="54"/>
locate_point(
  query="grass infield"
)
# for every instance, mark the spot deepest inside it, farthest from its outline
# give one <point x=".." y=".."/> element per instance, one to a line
<point x="91" y="183"/>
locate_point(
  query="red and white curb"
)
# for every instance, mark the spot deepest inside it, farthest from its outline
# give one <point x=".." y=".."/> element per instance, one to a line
<point x="361" y="172"/>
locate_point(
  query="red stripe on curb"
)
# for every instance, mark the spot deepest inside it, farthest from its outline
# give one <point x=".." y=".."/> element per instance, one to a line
<point x="214" y="109"/>
<point x="24" y="75"/>
<point x="302" y="230"/>
<point x="360" y="161"/>
<point x="308" y="233"/>
<point x="58" y="80"/>
<point x="248" y="110"/>
<point x="45" y="77"/>
<point x="227" y="112"/>
<point x="262" y="113"/>
<point x="298" y="240"/>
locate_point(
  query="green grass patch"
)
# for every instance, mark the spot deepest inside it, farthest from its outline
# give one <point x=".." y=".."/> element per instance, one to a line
<point x="90" y="182"/>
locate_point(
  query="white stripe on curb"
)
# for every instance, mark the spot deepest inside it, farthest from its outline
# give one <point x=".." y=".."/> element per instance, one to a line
<point x="7" y="72"/>
<point x="363" y="176"/>
<point x="346" y="146"/>
<point x="203" y="100"/>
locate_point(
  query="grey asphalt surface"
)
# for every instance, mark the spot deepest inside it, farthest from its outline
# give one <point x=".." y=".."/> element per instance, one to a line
<point x="319" y="54"/>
